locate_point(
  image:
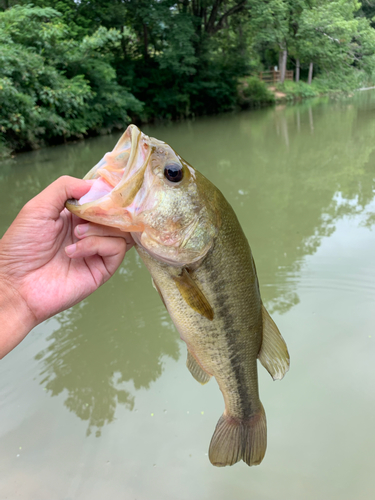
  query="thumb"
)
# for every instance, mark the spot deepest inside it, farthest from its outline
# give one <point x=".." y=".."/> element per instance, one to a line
<point x="52" y="199"/>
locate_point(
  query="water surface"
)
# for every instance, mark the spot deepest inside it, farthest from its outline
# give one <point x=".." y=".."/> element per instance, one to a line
<point x="97" y="402"/>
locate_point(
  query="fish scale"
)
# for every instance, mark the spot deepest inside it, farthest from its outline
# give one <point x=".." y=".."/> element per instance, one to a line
<point x="201" y="264"/>
<point x="226" y="347"/>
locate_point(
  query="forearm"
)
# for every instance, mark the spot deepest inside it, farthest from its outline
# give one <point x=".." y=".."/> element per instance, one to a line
<point x="16" y="320"/>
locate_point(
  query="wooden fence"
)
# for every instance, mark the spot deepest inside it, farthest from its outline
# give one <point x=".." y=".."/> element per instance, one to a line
<point x="271" y="77"/>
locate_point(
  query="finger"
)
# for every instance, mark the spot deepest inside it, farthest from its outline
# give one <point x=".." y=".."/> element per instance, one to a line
<point x="91" y="229"/>
<point x="112" y="250"/>
<point x="52" y="199"/>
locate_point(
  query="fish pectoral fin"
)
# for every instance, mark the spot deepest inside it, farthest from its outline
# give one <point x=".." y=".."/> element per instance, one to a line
<point x="158" y="290"/>
<point x="273" y="353"/>
<point x="196" y="370"/>
<point x="192" y="295"/>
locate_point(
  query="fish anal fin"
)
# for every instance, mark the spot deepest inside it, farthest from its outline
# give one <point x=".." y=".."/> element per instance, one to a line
<point x="158" y="290"/>
<point x="235" y="440"/>
<point x="273" y="353"/>
<point x="196" y="370"/>
<point x="193" y="295"/>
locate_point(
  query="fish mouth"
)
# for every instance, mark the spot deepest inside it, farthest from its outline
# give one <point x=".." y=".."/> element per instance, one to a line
<point x="117" y="179"/>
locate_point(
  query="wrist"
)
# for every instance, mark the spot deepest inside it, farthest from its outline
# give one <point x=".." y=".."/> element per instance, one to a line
<point x="16" y="319"/>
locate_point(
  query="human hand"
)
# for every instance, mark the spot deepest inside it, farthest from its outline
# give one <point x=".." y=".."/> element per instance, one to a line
<point x="51" y="260"/>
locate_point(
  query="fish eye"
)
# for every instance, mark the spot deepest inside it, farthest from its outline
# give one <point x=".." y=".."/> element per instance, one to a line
<point x="173" y="172"/>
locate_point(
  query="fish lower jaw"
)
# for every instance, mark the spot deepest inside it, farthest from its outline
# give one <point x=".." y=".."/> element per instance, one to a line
<point x="118" y="218"/>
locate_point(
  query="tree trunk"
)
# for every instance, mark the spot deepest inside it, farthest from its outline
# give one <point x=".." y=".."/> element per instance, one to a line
<point x="241" y="40"/>
<point x="213" y="25"/>
<point x="297" y="70"/>
<point x="310" y="73"/>
<point x="145" y="41"/>
<point x="283" y="65"/>
<point x="280" y="60"/>
<point x="123" y="43"/>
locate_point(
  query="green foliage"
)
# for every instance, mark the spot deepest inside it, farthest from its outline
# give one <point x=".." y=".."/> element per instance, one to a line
<point x="299" y="90"/>
<point x="331" y="83"/>
<point x="84" y="17"/>
<point x="270" y="22"/>
<point x="52" y="86"/>
<point x="367" y="10"/>
<point x="178" y="72"/>
<point x="70" y="68"/>
<point x="335" y="39"/>
<point x="254" y="93"/>
<point x="335" y="35"/>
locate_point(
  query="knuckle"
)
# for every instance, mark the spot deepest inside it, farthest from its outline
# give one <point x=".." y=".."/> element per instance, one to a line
<point x="93" y="243"/>
<point x="96" y="229"/>
<point x="63" y="179"/>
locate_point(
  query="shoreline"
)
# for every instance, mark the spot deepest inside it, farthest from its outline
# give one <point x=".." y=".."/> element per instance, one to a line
<point x="281" y="97"/>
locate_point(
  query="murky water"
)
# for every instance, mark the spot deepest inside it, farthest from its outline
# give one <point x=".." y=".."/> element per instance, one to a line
<point x="97" y="402"/>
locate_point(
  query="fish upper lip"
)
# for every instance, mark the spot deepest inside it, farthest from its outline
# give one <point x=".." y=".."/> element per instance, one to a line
<point x="128" y="157"/>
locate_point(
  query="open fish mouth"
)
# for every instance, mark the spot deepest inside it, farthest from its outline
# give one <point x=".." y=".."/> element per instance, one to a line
<point x="117" y="179"/>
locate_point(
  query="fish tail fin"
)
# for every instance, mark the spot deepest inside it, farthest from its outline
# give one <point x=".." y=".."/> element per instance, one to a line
<point x="235" y="440"/>
<point x="256" y="438"/>
<point x="226" y="443"/>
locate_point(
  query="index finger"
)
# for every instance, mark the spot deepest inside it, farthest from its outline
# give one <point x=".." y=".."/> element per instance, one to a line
<point x="91" y="229"/>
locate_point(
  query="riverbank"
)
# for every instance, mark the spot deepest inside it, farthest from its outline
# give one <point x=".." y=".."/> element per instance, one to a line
<point x="296" y="91"/>
<point x="252" y="93"/>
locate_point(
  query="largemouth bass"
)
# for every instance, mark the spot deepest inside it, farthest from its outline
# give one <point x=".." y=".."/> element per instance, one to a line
<point x="201" y="264"/>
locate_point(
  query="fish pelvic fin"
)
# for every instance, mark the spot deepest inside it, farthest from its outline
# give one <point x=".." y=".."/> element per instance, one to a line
<point x="196" y="370"/>
<point x="273" y="353"/>
<point x="235" y="440"/>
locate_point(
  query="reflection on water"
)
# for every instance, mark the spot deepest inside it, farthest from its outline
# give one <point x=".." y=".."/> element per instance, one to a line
<point x="105" y="342"/>
<point x="291" y="173"/>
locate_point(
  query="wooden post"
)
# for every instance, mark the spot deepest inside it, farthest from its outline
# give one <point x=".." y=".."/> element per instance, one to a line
<point x="297" y="70"/>
<point x="310" y="73"/>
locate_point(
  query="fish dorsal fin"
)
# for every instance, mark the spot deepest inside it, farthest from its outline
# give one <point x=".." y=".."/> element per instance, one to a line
<point x="192" y="295"/>
<point x="196" y="370"/>
<point x="273" y="353"/>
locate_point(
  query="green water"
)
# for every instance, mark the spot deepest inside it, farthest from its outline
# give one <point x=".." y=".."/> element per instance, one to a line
<point x="97" y="402"/>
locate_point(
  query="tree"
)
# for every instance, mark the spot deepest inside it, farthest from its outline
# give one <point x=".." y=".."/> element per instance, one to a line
<point x="53" y="86"/>
<point x="336" y="40"/>
<point x="270" y="25"/>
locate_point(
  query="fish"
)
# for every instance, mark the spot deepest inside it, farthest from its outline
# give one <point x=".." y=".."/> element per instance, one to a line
<point x="190" y="240"/>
